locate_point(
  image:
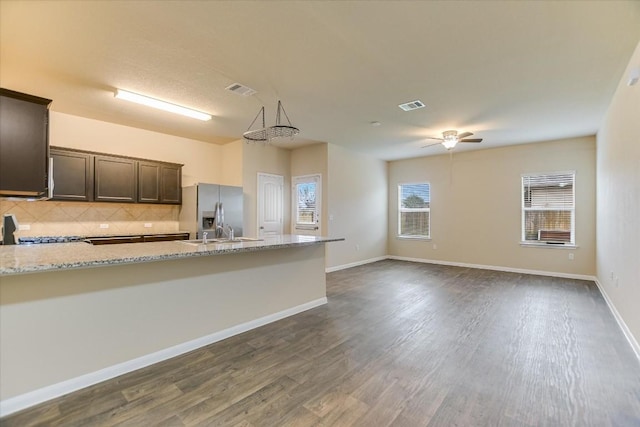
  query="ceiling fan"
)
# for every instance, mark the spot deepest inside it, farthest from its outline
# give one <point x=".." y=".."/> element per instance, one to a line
<point x="450" y="139"/>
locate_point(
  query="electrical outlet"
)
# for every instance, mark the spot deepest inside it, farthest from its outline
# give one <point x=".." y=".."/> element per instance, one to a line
<point x="24" y="227"/>
<point x="570" y="256"/>
<point x="104" y="225"/>
<point x="148" y="225"/>
<point x="330" y="217"/>
<point x="357" y="247"/>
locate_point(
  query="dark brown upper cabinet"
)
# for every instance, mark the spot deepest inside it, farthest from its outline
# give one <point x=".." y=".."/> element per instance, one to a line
<point x="159" y="182"/>
<point x="24" y="145"/>
<point x="115" y="179"/>
<point x="148" y="182"/>
<point x="171" y="183"/>
<point x="72" y="175"/>
<point x="89" y="176"/>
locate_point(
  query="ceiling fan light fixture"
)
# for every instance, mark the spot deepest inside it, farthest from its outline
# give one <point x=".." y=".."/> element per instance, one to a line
<point x="449" y="143"/>
<point x="450" y="139"/>
<point x="161" y="105"/>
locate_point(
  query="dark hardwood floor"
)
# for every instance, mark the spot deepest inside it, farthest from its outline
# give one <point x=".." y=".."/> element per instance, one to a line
<point x="398" y="344"/>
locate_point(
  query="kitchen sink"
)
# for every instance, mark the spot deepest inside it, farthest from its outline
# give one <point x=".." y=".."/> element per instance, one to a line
<point x="221" y="241"/>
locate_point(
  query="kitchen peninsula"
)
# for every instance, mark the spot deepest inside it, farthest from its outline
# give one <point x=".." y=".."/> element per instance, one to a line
<point x="73" y="314"/>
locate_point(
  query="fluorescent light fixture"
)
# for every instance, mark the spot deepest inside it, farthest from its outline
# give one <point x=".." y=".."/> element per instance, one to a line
<point x="161" y="105"/>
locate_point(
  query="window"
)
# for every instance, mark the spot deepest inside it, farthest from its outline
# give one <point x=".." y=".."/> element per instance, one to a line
<point x="306" y="202"/>
<point x="414" y="214"/>
<point x="548" y="208"/>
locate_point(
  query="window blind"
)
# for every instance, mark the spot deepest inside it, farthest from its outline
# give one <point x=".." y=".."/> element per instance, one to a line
<point x="414" y="210"/>
<point x="548" y="208"/>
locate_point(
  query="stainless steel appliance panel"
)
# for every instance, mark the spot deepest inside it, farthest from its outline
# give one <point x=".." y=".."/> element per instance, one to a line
<point x="232" y="202"/>
<point x="208" y="197"/>
<point x="199" y="206"/>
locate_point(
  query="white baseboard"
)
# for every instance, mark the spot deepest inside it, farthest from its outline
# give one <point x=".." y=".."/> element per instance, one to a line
<point x="497" y="268"/>
<point x="23" y="401"/>
<point x="625" y="329"/>
<point x="355" y="264"/>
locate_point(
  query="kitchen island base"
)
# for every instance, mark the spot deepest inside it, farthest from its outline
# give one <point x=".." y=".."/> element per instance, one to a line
<point x="68" y="329"/>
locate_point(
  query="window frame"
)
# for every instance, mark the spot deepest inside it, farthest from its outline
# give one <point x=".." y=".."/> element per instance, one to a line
<point x="524" y="209"/>
<point x="401" y="209"/>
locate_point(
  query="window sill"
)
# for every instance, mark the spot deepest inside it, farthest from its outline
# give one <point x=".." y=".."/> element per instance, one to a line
<point x="311" y="227"/>
<point x="548" y="245"/>
<point x="426" y="239"/>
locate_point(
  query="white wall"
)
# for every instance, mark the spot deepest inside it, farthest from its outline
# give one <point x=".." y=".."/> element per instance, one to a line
<point x="357" y="200"/>
<point x="266" y="159"/>
<point x="475" y="206"/>
<point x="232" y="163"/>
<point x="618" y="206"/>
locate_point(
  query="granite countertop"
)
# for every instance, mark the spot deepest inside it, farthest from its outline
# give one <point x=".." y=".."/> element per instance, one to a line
<point x="19" y="259"/>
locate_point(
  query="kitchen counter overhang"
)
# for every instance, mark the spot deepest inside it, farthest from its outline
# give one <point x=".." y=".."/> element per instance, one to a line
<point x="20" y="259"/>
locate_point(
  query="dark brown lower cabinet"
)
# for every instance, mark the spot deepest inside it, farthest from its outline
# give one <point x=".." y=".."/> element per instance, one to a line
<point x="72" y="175"/>
<point x="165" y="237"/>
<point x="112" y="240"/>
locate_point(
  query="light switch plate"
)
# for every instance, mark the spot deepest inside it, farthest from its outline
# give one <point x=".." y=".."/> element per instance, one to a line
<point x="24" y="227"/>
<point x="104" y="225"/>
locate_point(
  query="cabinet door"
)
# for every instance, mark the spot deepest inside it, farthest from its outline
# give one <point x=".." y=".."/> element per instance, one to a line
<point x="72" y="178"/>
<point x="165" y="237"/>
<point x="24" y="145"/>
<point x="148" y="182"/>
<point x="171" y="184"/>
<point x="115" y="179"/>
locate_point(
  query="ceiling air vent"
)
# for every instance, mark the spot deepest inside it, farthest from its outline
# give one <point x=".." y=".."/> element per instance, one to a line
<point x="413" y="105"/>
<point x="241" y="89"/>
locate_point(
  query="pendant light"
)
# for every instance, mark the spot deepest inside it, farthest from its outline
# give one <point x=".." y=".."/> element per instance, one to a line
<point x="267" y="133"/>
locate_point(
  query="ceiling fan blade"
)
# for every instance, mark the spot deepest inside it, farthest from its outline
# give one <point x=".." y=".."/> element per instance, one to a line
<point x="431" y="145"/>
<point x="471" y="140"/>
<point x="433" y="137"/>
<point x="464" y="135"/>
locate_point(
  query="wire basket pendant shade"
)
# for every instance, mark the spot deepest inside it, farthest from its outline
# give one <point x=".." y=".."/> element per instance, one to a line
<point x="266" y="134"/>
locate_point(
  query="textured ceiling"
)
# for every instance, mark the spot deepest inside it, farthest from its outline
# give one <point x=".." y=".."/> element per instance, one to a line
<point x="509" y="71"/>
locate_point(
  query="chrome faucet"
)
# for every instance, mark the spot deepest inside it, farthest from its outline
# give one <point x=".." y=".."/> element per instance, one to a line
<point x="220" y="232"/>
<point x="204" y="238"/>
<point x="219" y="220"/>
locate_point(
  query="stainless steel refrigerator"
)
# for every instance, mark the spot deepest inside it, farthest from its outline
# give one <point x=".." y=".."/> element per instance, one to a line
<point x="212" y="208"/>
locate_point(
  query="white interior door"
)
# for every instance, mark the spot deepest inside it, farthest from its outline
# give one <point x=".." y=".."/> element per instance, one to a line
<point x="306" y="198"/>
<point x="270" y="204"/>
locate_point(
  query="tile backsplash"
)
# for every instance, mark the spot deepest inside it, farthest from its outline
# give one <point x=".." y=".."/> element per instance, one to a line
<point x="54" y="218"/>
